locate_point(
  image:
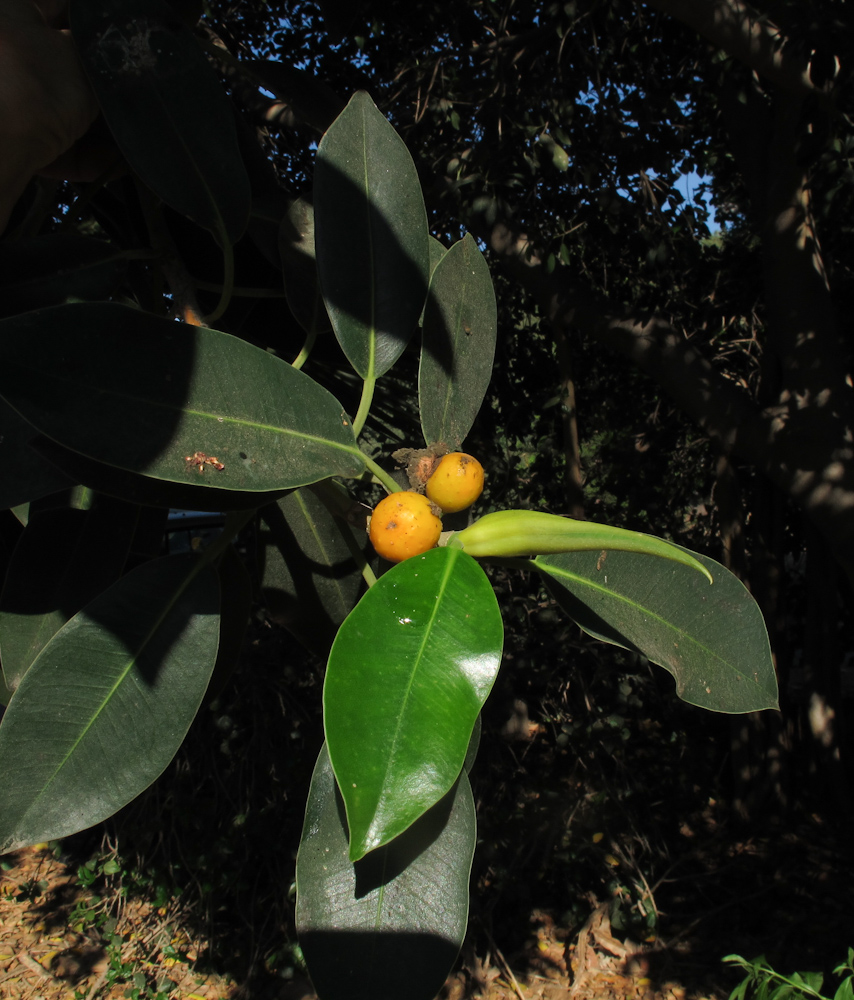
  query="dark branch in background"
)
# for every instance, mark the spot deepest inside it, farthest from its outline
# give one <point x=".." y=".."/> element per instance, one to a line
<point x="746" y="35"/>
<point x="804" y="457"/>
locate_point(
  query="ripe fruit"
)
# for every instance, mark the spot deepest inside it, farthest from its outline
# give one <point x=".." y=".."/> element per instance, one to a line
<point x="404" y="525"/>
<point x="456" y="482"/>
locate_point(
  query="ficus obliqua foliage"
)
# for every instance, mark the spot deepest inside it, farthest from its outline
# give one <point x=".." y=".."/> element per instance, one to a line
<point x="113" y="412"/>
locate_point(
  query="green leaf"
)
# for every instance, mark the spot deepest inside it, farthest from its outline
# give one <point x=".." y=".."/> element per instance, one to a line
<point x="711" y="639"/>
<point x="459" y="331"/>
<point x="371" y="237"/>
<point x="310" y="580"/>
<point x="63" y="560"/>
<point x="402" y="909"/>
<point x="145" y="394"/>
<point x="49" y="269"/>
<point x="26" y="474"/>
<point x="166" y="109"/>
<point x="148" y="492"/>
<point x="296" y="248"/>
<point x="408" y="674"/>
<point x="106" y="704"/>
<point x="437" y="252"/>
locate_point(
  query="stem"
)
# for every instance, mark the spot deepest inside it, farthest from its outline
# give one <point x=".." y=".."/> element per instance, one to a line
<point x="302" y="357"/>
<point x="234" y="522"/>
<point x="380" y="474"/>
<point x="350" y="541"/>
<point x="172" y="267"/>
<point x="364" y="405"/>
<point x="239" y="291"/>
<point x="227" y="282"/>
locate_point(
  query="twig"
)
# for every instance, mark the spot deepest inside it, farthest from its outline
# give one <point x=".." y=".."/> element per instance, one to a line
<point x="498" y="954"/>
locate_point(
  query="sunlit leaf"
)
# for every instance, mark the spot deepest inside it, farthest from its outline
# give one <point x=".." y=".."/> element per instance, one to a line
<point x="408" y="674"/>
<point x="712" y="639"/>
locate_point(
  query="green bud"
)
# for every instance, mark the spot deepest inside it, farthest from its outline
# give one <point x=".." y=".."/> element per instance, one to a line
<point x="512" y="533"/>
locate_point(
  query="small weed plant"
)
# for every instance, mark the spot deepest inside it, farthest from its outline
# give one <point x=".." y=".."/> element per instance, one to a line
<point x="763" y="982"/>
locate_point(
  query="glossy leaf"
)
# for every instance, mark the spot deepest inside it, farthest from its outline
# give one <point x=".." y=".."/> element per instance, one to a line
<point x="371" y="237"/>
<point x="711" y="639"/>
<point x="106" y="704"/>
<point x="310" y="581"/>
<point x="49" y="269"/>
<point x="147" y="395"/>
<point x="166" y="109"/>
<point x="408" y="674"/>
<point x="458" y="348"/>
<point x="26" y="474"/>
<point x="64" y="559"/>
<point x="402" y="909"/>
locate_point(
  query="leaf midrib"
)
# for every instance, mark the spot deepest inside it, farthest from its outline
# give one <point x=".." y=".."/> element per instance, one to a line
<point x="132" y="660"/>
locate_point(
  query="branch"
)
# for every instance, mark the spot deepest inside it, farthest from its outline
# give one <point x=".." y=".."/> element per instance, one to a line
<point x="743" y="33"/>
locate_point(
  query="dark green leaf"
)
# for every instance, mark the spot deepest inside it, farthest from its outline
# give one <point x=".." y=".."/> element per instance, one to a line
<point x="64" y="559"/>
<point x="310" y="581"/>
<point x="371" y="237"/>
<point x="296" y="247"/>
<point x="147" y="395"/>
<point x="26" y="474"/>
<point x="437" y="252"/>
<point x="105" y="705"/>
<point x="49" y="269"/>
<point x="402" y="909"/>
<point x="408" y="674"/>
<point x="166" y="109"/>
<point x="460" y="326"/>
<point x="711" y="638"/>
<point x="149" y="492"/>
